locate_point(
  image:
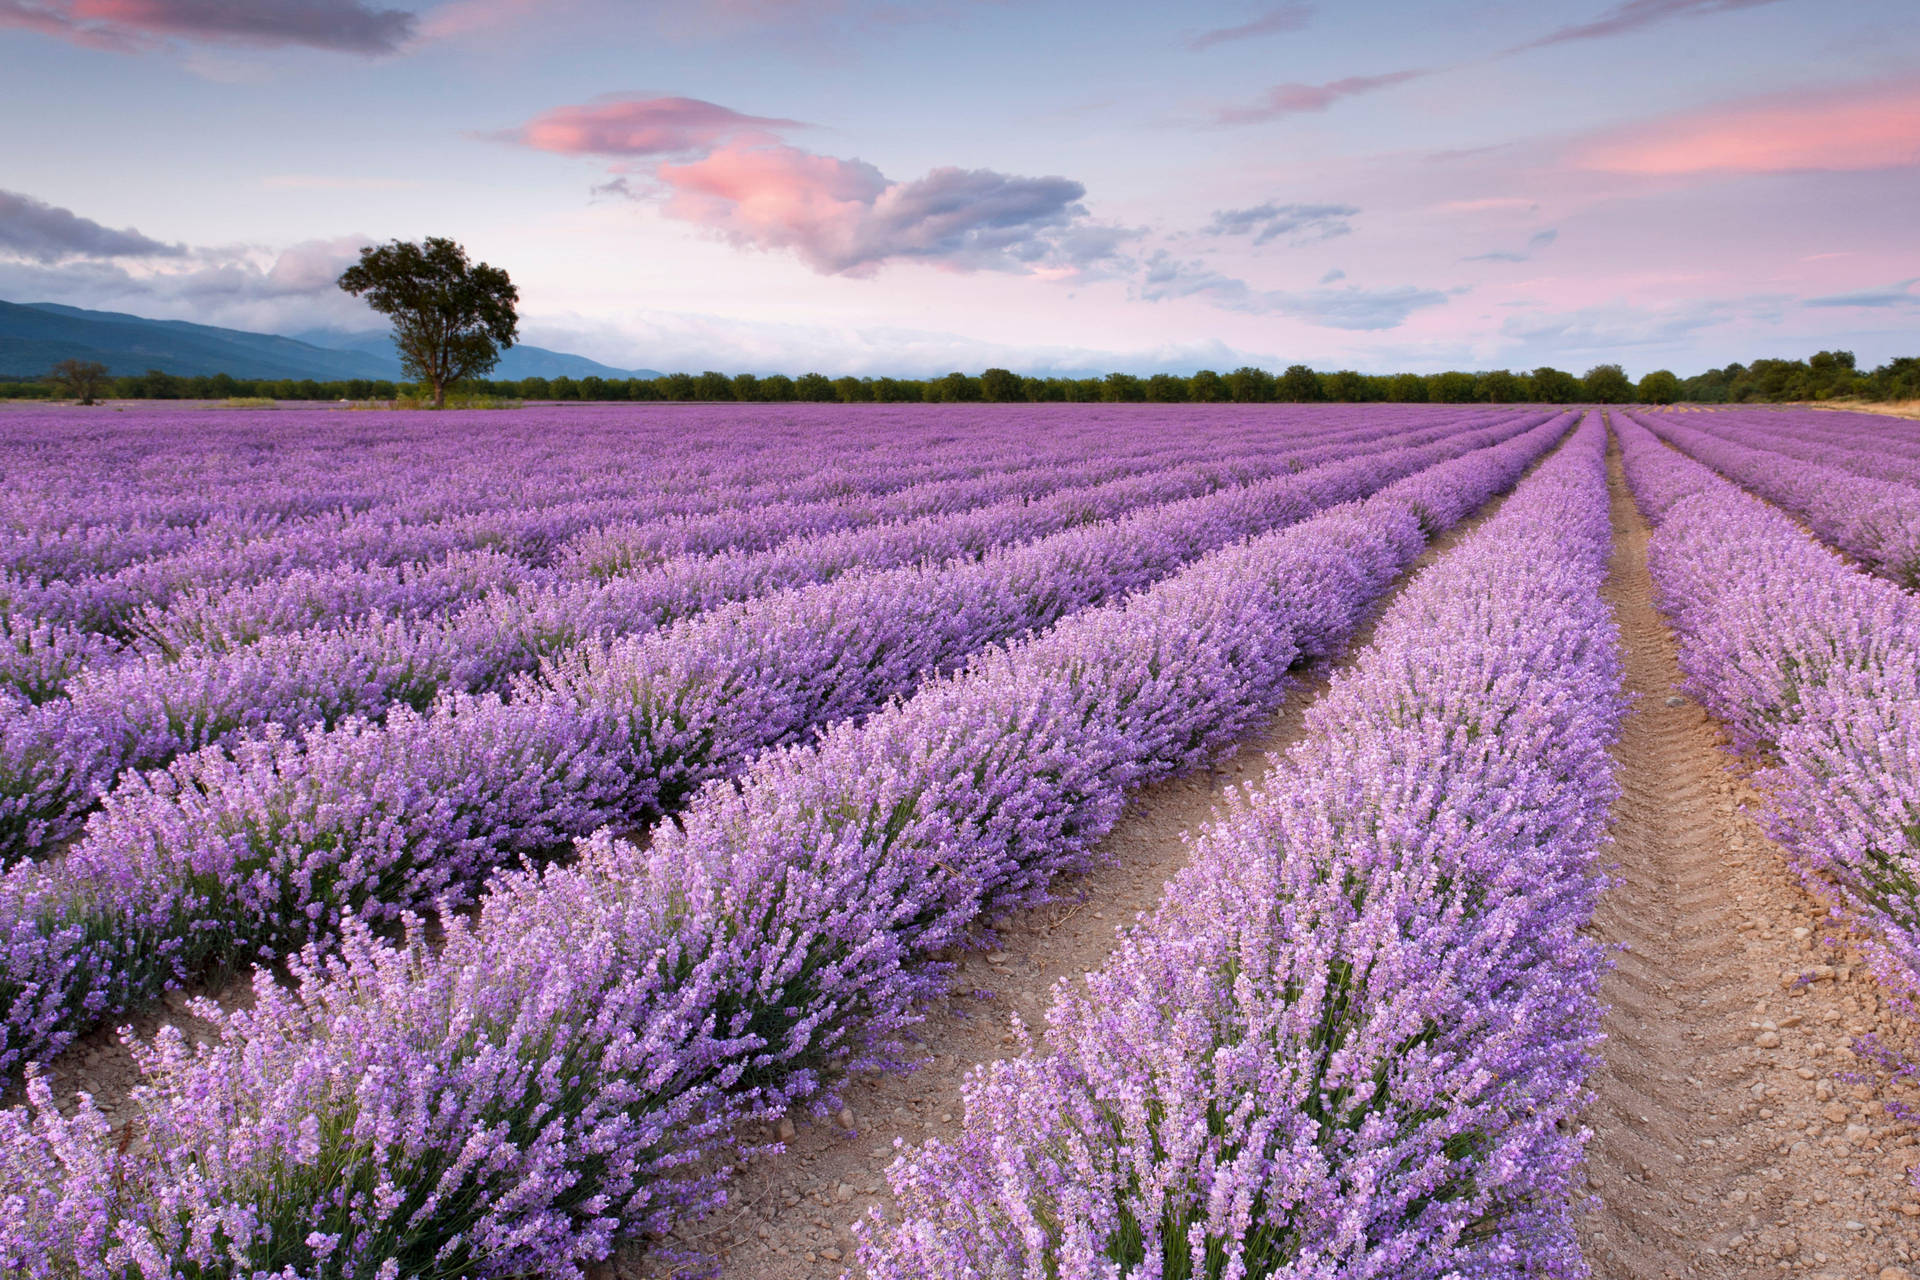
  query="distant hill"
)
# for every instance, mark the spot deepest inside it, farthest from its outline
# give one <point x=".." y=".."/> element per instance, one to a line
<point x="35" y="336"/>
<point x="517" y="361"/>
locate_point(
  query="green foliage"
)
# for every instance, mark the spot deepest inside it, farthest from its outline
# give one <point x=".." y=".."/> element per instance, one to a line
<point x="1555" y="386"/>
<point x="1164" y="388"/>
<point x="1299" y="385"/>
<point x="82" y="380"/>
<point x="451" y="316"/>
<point x="1452" y="387"/>
<point x="955" y="388"/>
<point x="1829" y="375"/>
<point x="1345" y="386"/>
<point x="1659" y="387"/>
<point x="1248" y="385"/>
<point x="1407" y="388"/>
<point x="1498" y="386"/>
<point x="1607" y="384"/>
<point x="1043" y="390"/>
<point x="1207" y="387"/>
<point x="1000" y="385"/>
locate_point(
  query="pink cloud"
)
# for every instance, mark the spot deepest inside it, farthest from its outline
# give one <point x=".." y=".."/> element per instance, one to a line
<point x="733" y="175"/>
<point x="778" y="198"/>
<point x="643" y="126"/>
<point x="1296" y="99"/>
<point x="1872" y="128"/>
<point x="344" y="25"/>
<point x="844" y="217"/>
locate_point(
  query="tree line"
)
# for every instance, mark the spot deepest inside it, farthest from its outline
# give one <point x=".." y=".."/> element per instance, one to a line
<point x="1828" y="375"/>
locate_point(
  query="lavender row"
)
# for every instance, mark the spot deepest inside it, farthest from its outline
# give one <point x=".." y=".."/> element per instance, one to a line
<point x="1814" y="666"/>
<point x="400" y="576"/>
<point x="1860" y="443"/>
<point x="139" y="715"/>
<point x="532" y="532"/>
<point x="226" y="609"/>
<point x="57" y="759"/>
<point x="569" y="1067"/>
<point x="224" y="618"/>
<point x="158" y="466"/>
<point x="67" y="509"/>
<point x="1877" y="522"/>
<point x="618" y="549"/>
<point x="247" y="855"/>
<point x="76" y="512"/>
<point x="1354" y="1037"/>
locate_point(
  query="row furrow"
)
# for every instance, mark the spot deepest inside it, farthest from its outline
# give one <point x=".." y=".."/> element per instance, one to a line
<point x="1814" y="667"/>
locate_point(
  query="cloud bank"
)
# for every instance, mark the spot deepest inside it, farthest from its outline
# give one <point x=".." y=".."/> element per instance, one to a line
<point x="345" y="26"/>
<point x="70" y="259"/>
<point x="1304" y="223"/>
<point x="1351" y="308"/>
<point x="844" y="217"/>
<point x="1898" y="294"/>
<point x="734" y="176"/>
<point x="42" y="232"/>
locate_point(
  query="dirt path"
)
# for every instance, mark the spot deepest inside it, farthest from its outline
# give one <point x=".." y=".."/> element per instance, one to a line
<point x="1736" y="1135"/>
<point x="789" y="1217"/>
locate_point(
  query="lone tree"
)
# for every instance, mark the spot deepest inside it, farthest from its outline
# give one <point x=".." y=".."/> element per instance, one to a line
<point x="84" y="380"/>
<point x="451" y="317"/>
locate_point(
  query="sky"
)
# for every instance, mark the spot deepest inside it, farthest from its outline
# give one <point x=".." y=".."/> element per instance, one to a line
<point x="873" y="187"/>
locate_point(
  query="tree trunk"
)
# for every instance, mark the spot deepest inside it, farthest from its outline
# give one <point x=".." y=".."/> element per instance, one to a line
<point x="439" y="394"/>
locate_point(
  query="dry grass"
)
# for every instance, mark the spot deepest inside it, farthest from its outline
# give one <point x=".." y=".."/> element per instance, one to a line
<point x="1886" y="408"/>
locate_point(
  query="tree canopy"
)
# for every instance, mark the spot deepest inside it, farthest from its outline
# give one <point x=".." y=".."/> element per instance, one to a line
<point x="84" y="380"/>
<point x="451" y="316"/>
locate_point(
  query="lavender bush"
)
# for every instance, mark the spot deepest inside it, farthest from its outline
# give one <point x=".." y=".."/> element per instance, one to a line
<point x="1874" y="520"/>
<point x="1354" y="1038"/>
<point x="140" y="716"/>
<point x="568" y="1067"/>
<point x="245" y="855"/>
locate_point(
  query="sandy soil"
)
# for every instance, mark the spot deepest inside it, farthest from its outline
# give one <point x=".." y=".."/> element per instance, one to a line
<point x="789" y="1216"/>
<point x="1736" y="1135"/>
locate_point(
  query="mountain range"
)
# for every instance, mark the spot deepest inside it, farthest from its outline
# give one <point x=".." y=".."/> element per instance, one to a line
<point x="34" y="336"/>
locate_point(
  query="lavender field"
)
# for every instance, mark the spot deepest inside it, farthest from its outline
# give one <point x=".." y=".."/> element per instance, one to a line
<point x="497" y="844"/>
